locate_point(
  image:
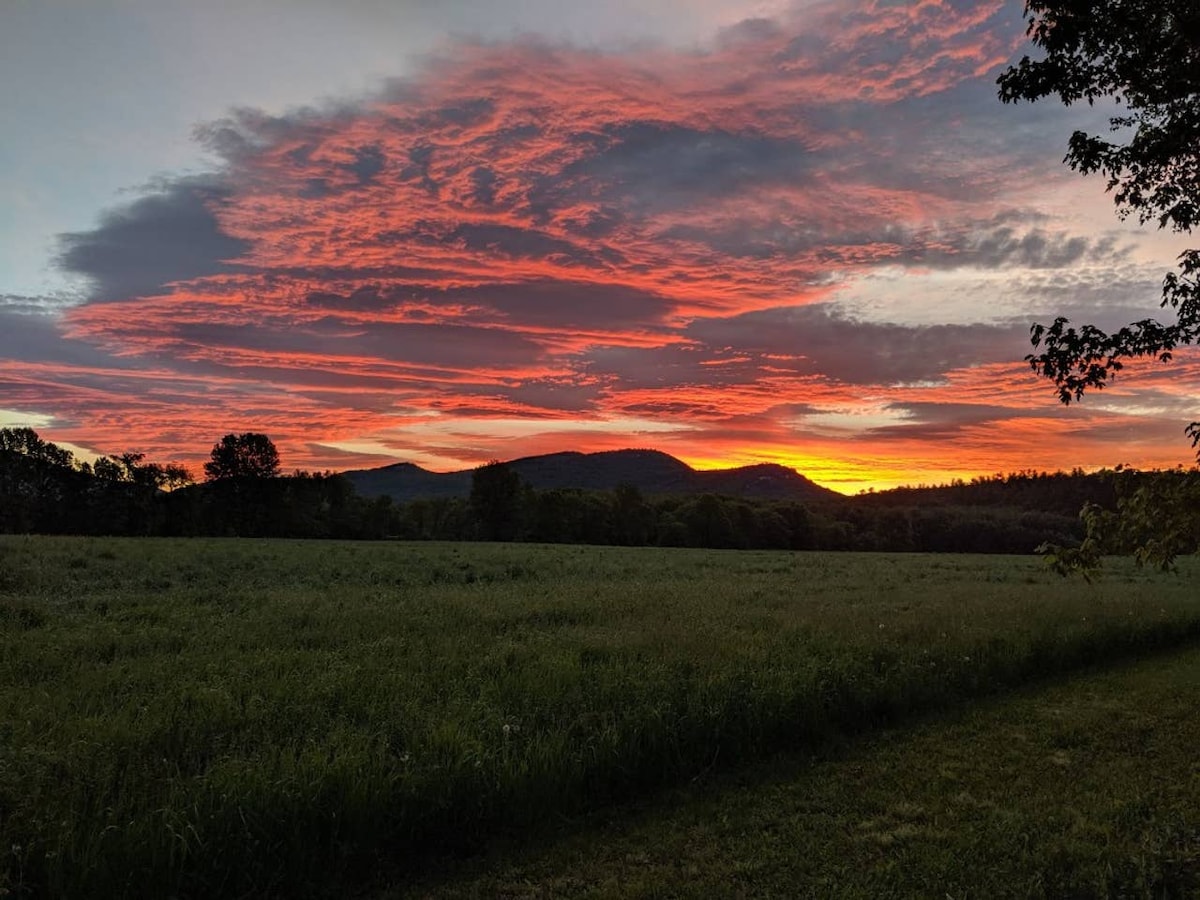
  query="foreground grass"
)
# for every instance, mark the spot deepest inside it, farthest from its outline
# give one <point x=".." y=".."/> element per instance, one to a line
<point x="1088" y="788"/>
<point x="220" y="717"/>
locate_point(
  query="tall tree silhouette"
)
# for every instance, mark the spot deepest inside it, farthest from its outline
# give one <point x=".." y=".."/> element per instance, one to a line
<point x="496" y="501"/>
<point x="246" y="455"/>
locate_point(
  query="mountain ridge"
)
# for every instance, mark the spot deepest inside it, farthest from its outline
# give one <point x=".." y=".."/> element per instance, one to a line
<point x="651" y="471"/>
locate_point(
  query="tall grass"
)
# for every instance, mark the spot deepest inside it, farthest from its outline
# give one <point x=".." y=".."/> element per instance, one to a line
<point x="221" y="717"/>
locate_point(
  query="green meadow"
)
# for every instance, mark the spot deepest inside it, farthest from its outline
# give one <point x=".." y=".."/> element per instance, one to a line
<point x="1087" y="787"/>
<point x="239" y="717"/>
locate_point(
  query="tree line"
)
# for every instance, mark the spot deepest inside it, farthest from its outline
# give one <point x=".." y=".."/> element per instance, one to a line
<point x="43" y="489"/>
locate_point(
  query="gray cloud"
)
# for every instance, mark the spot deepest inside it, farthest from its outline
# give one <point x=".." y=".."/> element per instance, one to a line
<point x="821" y="339"/>
<point x="518" y="243"/>
<point x="34" y="306"/>
<point x="559" y="394"/>
<point x="1107" y="296"/>
<point x="650" y="162"/>
<point x="671" y="366"/>
<point x="989" y="244"/>
<point x="566" y="305"/>
<point x="1004" y="247"/>
<point x="929" y="412"/>
<point x="34" y="337"/>
<point x="545" y="303"/>
<point x="484" y="181"/>
<point x="1134" y="432"/>
<point x="166" y="236"/>
<point x="369" y="161"/>
<point x="938" y="421"/>
<point x="440" y="345"/>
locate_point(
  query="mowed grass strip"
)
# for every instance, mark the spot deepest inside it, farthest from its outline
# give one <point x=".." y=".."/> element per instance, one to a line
<point x="205" y="717"/>
<point x="1088" y="788"/>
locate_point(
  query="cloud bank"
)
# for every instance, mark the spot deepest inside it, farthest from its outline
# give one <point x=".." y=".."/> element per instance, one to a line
<point x="532" y="247"/>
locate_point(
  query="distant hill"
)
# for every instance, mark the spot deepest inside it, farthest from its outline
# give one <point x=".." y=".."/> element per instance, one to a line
<point x="651" y="471"/>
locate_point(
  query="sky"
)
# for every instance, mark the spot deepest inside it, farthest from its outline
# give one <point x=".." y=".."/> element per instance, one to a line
<point x="449" y="231"/>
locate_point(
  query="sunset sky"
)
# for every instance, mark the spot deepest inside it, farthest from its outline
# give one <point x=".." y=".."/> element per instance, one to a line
<point x="446" y="231"/>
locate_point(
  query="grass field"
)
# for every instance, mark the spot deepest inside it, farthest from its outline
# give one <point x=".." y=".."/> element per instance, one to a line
<point x="1085" y="788"/>
<point x="205" y="717"/>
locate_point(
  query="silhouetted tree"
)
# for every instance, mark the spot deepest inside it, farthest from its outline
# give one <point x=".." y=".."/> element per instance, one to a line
<point x="246" y="455"/>
<point x="633" y="519"/>
<point x="1145" y="56"/>
<point x="496" y="501"/>
<point x="175" y="476"/>
<point x="40" y="488"/>
<point x="437" y="519"/>
<point x="130" y="469"/>
<point x="27" y="443"/>
<point x="709" y="523"/>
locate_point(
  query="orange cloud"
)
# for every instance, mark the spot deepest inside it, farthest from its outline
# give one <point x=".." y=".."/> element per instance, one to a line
<point x="532" y="247"/>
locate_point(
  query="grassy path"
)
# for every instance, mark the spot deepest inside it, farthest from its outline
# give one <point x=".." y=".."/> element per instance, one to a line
<point x="1086" y="788"/>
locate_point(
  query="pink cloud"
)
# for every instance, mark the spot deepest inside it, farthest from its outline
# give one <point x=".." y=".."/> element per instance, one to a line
<point x="547" y="234"/>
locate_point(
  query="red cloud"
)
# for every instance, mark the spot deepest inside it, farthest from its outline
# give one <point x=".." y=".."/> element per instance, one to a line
<point x="538" y="234"/>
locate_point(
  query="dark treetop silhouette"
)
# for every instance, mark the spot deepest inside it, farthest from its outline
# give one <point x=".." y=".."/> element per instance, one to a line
<point x="246" y="455"/>
<point x="1145" y="56"/>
